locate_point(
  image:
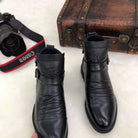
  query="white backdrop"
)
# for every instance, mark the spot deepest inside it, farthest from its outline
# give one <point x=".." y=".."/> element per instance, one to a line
<point x="17" y="89"/>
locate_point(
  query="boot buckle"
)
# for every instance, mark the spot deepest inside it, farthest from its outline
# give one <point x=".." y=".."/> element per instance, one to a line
<point x="37" y="73"/>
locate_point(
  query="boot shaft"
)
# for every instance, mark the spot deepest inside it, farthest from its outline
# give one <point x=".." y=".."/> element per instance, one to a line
<point x="95" y="48"/>
<point x="50" y="61"/>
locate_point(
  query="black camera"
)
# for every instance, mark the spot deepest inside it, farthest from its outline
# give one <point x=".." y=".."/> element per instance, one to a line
<point x="11" y="43"/>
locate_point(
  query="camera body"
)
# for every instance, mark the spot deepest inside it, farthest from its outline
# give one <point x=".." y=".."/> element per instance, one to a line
<point x="11" y="43"/>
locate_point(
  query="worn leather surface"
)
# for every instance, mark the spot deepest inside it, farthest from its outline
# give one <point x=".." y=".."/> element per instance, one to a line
<point x="101" y="105"/>
<point x="50" y="112"/>
<point x="108" y="18"/>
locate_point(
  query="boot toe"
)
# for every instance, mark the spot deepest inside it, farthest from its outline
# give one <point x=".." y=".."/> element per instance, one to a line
<point x="52" y="129"/>
<point x="102" y="116"/>
<point x="102" y="122"/>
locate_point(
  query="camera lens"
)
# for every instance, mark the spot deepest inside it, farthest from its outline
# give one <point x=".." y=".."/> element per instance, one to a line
<point x="12" y="43"/>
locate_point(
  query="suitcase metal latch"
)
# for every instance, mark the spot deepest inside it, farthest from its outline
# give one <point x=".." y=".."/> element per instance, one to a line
<point x="124" y="38"/>
<point x="69" y="35"/>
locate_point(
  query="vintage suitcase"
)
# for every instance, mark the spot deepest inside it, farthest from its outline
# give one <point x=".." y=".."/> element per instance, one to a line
<point x="116" y="20"/>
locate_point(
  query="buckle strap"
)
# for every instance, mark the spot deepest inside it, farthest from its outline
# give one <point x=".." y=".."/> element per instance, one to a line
<point x="107" y="60"/>
<point x="49" y="79"/>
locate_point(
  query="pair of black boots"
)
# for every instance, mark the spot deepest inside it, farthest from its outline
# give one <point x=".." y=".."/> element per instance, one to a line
<point x="49" y="115"/>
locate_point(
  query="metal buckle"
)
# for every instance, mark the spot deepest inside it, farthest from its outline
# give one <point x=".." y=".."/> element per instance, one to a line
<point x="124" y="38"/>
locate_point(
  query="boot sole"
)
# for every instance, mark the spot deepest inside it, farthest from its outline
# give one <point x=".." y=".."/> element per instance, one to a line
<point x="92" y="121"/>
<point x="39" y="135"/>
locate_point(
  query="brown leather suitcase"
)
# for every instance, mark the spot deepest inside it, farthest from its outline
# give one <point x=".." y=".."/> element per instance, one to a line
<point x="116" y="20"/>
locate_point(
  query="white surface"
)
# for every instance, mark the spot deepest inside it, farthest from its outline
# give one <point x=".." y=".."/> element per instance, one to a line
<point x="17" y="89"/>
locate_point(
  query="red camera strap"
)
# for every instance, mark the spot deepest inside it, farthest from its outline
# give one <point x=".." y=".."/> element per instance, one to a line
<point x="30" y="54"/>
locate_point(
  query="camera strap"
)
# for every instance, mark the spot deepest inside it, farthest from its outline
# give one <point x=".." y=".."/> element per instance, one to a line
<point x="28" y="55"/>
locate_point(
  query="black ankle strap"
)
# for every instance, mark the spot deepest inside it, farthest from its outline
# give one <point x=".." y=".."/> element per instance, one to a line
<point x="49" y="78"/>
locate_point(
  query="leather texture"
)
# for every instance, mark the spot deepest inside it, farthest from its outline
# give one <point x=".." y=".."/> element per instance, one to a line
<point x="101" y="104"/>
<point x="117" y="23"/>
<point x="49" y="115"/>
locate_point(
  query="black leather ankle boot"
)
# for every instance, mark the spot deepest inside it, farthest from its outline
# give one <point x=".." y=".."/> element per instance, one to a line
<point x="49" y="115"/>
<point x="101" y="105"/>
